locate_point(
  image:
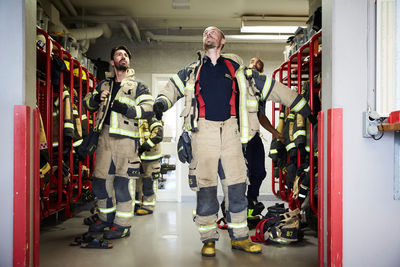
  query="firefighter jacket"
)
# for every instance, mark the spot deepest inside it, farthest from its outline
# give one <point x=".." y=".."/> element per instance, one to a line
<point x="132" y="93"/>
<point x="253" y="87"/>
<point x="68" y="123"/>
<point x="151" y="135"/>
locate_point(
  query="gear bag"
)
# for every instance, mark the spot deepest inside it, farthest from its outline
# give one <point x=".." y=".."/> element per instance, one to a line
<point x="185" y="148"/>
<point x="282" y="229"/>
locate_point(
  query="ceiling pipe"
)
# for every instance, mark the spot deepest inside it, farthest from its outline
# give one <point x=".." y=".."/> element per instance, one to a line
<point x="70" y="7"/>
<point x="60" y="7"/>
<point x="97" y="19"/>
<point x="107" y="33"/>
<point x="135" y="28"/>
<point x="126" y="31"/>
<point x="86" y="33"/>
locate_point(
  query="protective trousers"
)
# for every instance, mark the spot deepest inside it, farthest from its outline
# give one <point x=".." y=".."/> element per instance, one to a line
<point x="146" y="186"/>
<point x="117" y="167"/>
<point x="219" y="142"/>
<point x="255" y="156"/>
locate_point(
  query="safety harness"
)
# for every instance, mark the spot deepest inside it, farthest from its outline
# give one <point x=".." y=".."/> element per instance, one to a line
<point x="202" y="110"/>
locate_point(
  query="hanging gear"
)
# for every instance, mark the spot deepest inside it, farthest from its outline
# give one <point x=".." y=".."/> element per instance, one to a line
<point x="185" y="148"/>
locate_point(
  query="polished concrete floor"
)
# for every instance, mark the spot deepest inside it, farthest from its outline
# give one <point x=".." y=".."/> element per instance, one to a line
<point x="166" y="238"/>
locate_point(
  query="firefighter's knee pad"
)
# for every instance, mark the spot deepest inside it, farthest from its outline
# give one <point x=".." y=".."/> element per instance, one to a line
<point x="148" y="187"/>
<point x="99" y="188"/>
<point x="121" y="187"/>
<point x="155" y="175"/>
<point x="237" y="197"/>
<point x="207" y="202"/>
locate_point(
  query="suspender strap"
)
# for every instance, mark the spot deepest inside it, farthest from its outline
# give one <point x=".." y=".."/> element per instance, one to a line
<point x="202" y="111"/>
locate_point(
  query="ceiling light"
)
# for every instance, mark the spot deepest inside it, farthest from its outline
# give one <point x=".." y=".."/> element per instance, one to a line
<point x="268" y="29"/>
<point x="257" y="37"/>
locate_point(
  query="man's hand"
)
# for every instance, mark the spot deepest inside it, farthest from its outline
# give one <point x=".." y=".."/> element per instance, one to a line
<point x="158" y="108"/>
<point x="143" y="148"/>
<point x="119" y="107"/>
<point x="104" y="95"/>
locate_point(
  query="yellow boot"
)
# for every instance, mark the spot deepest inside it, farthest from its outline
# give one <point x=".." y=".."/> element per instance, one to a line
<point x="141" y="212"/>
<point x="208" y="249"/>
<point x="246" y="246"/>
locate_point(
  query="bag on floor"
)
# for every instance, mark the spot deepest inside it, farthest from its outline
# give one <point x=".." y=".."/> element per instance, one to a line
<point x="282" y="229"/>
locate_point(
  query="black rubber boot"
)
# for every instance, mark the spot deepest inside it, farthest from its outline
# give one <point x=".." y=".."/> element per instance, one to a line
<point x="98" y="226"/>
<point x="116" y="232"/>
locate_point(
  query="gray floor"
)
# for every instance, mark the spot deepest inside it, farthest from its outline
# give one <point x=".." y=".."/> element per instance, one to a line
<point x="166" y="238"/>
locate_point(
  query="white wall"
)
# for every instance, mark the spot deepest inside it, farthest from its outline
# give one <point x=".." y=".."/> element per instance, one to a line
<point x="17" y="74"/>
<point x="370" y="215"/>
<point x="163" y="58"/>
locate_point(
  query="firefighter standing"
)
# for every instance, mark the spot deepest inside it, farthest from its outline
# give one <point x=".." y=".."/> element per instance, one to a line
<point x="218" y="90"/>
<point x="119" y="101"/>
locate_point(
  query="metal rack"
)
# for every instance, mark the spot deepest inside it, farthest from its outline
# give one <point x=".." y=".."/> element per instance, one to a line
<point x="56" y="195"/>
<point x="301" y="66"/>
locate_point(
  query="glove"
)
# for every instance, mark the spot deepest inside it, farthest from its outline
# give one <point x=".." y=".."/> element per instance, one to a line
<point x="244" y="148"/>
<point x="119" y="107"/>
<point x="185" y="148"/>
<point x="143" y="148"/>
<point x="312" y="119"/>
<point x="96" y="98"/>
<point x="158" y="109"/>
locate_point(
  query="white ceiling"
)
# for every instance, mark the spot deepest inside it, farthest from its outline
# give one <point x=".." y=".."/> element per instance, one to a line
<point x="160" y="15"/>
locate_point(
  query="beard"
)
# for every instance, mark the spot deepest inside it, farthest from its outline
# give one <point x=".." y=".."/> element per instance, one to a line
<point x="121" y="67"/>
<point x="210" y="44"/>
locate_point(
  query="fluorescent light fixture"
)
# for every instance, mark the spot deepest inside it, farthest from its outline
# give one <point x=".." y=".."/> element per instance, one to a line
<point x="268" y="29"/>
<point x="271" y="24"/>
<point x="257" y="37"/>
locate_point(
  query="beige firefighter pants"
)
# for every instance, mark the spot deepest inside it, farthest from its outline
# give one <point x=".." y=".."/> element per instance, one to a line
<point x="219" y="142"/>
<point x="117" y="166"/>
<point x="146" y="186"/>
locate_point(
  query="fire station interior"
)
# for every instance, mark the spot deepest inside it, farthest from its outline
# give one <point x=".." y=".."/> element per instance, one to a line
<point x="343" y="179"/>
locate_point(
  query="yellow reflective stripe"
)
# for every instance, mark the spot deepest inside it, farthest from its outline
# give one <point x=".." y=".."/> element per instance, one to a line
<point x="84" y="117"/>
<point x="179" y="83"/>
<point x="151" y="144"/>
<point x="142" y="98"/>
<point x="290" y="146"/>
<point x="244" y="120"/>
<point x="206" y="228"/>
<point x="237" y="225"/>
<point x="252" y="103"/>
<point x="88" y="104"/>
<point x="68" y="125"/>
<point x="91" y="121"/>
<point x="75" y="112"/>
<point x="55" y="113"/>
<point x="154" y="157"/>
<point x="167" y="100"/>
<point x="138" y="112"/>
<point x="77" y="143"/>
<point x="132" y="193"/>
<point x="189" y="87"/>
<point x="307" y="148"/>
<point x="155" y="125"/>
<point x="114" y="127"/>
<point x="273" y="151"/>
<point x="282" y="115"/>
<point x="187" y="126"/>
<point x="249" y="72"/>
<point x="123" y="214"/>
<point x="138" y="202"/>
<point x="57" y="102"/>
<point x="55" y="144"/>
<point x="109" y="210"/>
<point x="299" y="132"/>
<point x="299" y="105"/>
<point x="127" y="101"/>
<point x="290" y="116"/>
<point x="316" y="154"/>
<point x="147" y="203"/>
<point x="266" y="88"/>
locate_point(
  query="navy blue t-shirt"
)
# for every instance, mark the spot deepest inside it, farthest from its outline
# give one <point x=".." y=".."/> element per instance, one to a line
<point x="216" y="89"/>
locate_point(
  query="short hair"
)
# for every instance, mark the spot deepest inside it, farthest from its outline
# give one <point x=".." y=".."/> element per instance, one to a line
<point x="120" y="47"/>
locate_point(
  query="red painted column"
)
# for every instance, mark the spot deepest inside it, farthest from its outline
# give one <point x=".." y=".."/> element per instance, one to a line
<point x="36" y="187"/>
<point x="321" y="188"/>
<point x="21" y="216"/>
<point x="335" y="187"/>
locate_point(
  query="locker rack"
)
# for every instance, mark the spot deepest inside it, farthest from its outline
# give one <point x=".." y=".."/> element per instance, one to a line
<point x="301" y="66"/>
<point x="57" y="194"/>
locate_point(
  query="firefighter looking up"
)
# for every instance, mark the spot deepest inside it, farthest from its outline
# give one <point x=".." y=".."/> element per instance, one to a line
<point x="120" y="101"/>
<point x="255" y="153"/>
<point x="220" y="94"/>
